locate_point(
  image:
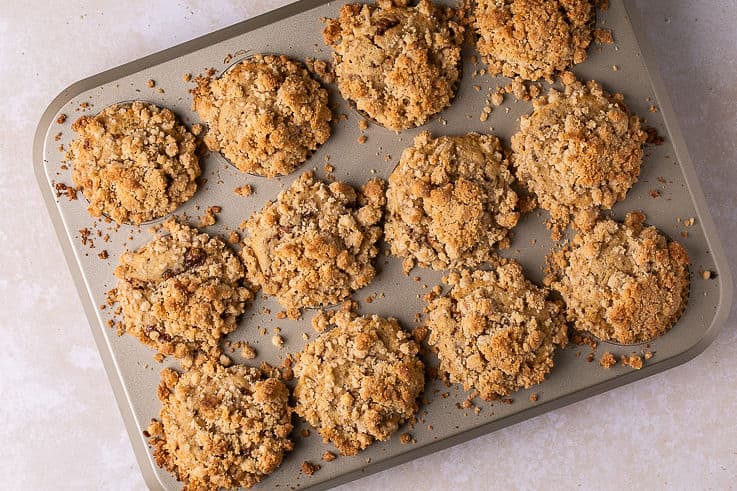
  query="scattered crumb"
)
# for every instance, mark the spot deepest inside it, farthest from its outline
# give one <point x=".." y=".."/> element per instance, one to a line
<point x="654" y="193"/>
<point x="103" y="254"/>
<point x="277" y="341"/>
<point x="61" y="119"/>
<point x="633" y="361"/>
<point x="245" y="190"/>
<point x="151" y="83"/>
<point x="405" y="438"/>
<point x="607" y="360"/>
<point x="363" y="124"/>
<point x="248" y="352"/>
<point x="362" y="139"/>
<point x="187" y="77"/>
<point x="706" y="274"/>
<point x="534" y="397"/>
<point x="328" y="456"/>
<point x="309" y="468"/>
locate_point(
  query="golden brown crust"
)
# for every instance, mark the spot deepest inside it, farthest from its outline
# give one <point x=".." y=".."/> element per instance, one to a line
<point x="316" y="243"/>
<point x="533" y="38"/>
<point x="221" y="427"/>
<point x="622" y="282"/>
<point x="398" y="64"/>
<point x="359" y="381"/>
<point x="495" y="331"/>
<point x="578" y="152"/>
<point x="134" y="162"/>
<point x="450" y="201"/>
<point x="266" y="114"/>
<point x="182" y="292"/>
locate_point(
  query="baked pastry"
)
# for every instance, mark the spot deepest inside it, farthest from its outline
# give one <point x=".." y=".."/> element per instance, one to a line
<point x="495" y="331"/>
<point x="533" y="38"/>
<point x="316" y="243"/>
<point x="266" y="114"/>
<point x="578" y="152"/>
<point x="397" y="64"/>
<point x="622" y="282"/>
<point x="450" y="201"/>
<point x="182" y="292"/>
<point x="359" y="381"/>
<point x="133" y="162"/>
<point x="221" y="428"/>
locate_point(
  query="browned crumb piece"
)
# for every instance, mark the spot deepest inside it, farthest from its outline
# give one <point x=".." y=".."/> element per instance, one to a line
<point x="187" y="77"/>
<point x="150" y="83"/>
<point x="248" y="352"/>
<point x="182" y="292"/>
<point x="134" y="162"/>
<point x="221" y="427"/>
<point x="103" y="254"/>
<point x="533" y="38"/>
<point x="69" y="191"/>
<point x="495" y="331"/>
<point x="654" y="193"/>
<point x="245" y="190"/>
<point x="648" y="354"/>
<point x="362" y="139"/>
<point x="277" y="341"/>
<point x="316" y="243"/>
<point x="578" y="152"/>
<point x="398" y="64"/>
<point x="233" y="237"/>
<point x="266" y="114"/>
<point x="607" y="360"/>
<point x="622" y="282"/>
<point x="534" y="397"/>
<point x="450" y="202"/>
<point x="363" y="124"/>
<point x="706" y="274"/>
<point x="309" y="468"/>
<point x="305" y="433"/>
<point x="359" y="381"/>
<point x="405" y="438"/>
<point x="328" y="456"/>
<point x="61" y="119"/>
<point x="603" y="36"/>
<point x="209" y="217"/>
<point x="633" y="361"/>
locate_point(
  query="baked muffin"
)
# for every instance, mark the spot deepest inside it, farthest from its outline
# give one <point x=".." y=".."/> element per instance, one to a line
<point x="397" y="64"/>
<point x="359" y="381"/>
<point x="316" y="243"/>
<point x="182" y="292"/>
<point x="450" y="202"/>
<point x="533" y="39"/>
<point x="579" y="151"/>
<point x="495" y="331"/>
<point x="622" y="282"/>
<point x="221" y="428"/>
<point x="266" y="114"/>
<point x="133" y="162"/>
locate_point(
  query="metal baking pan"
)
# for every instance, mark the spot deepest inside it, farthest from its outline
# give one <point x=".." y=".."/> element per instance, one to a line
<point x="295" y="30"/>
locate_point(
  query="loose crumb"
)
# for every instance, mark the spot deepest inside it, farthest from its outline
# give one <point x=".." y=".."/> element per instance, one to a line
<point x="633" y="361"/>
<point x="245" y="190"/>
<point x="603" y="36"/>
<point x="362" y="139"/>
<point x="309" y="468"/>
<point x="61" y="119"/>
<point x="405" y="438"/>
<point x="277" y="341"/>
<point x="607" y="360"/>
<point x="534" y="397"/>
<point x="151" y="83"/>
<point x="328" y="456"/>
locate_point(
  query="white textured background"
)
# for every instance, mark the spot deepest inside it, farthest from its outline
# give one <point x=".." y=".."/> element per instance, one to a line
<point x="59" y="424"/>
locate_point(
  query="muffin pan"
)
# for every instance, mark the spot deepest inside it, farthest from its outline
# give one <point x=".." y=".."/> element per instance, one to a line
<point x="667" y="191"/>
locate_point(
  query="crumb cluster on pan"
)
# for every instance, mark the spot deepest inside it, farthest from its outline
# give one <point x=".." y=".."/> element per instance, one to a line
<point x="221" y="428"/>
<point x="533" y="38"/>
<point x="359" y="381"/>
<point x="133" y="162"/>
<point x="495" y="331"/>
<point x="622" y="282"/>
<point x="450" y="201"/>
<point x="182" y="292"/>
<point x="398" y="64"/>
<point x="578" y="151"/>
<point x="266" y="114"/>
<point x="315" y="244"/>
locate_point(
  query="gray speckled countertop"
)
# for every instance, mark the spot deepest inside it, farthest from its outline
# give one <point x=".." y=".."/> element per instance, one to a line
<point x="59" y="422"/>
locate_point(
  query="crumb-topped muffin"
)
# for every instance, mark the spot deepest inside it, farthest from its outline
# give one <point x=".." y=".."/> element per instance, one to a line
<point x="266" y="114"/>
<point x="133" y="162"/>
<point x="396" y="63"/>
<point x="495" y="331"/>
<point x="578" y="151"/>
<point x="221" y="428"/>
<point x="182" y="292"/>
<point x="622" y="282"/>
<point x="450" y="201"/>
<point x="359" y="381"/>
<point x="533" y="38"/>
<point x="316" y="243"/>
